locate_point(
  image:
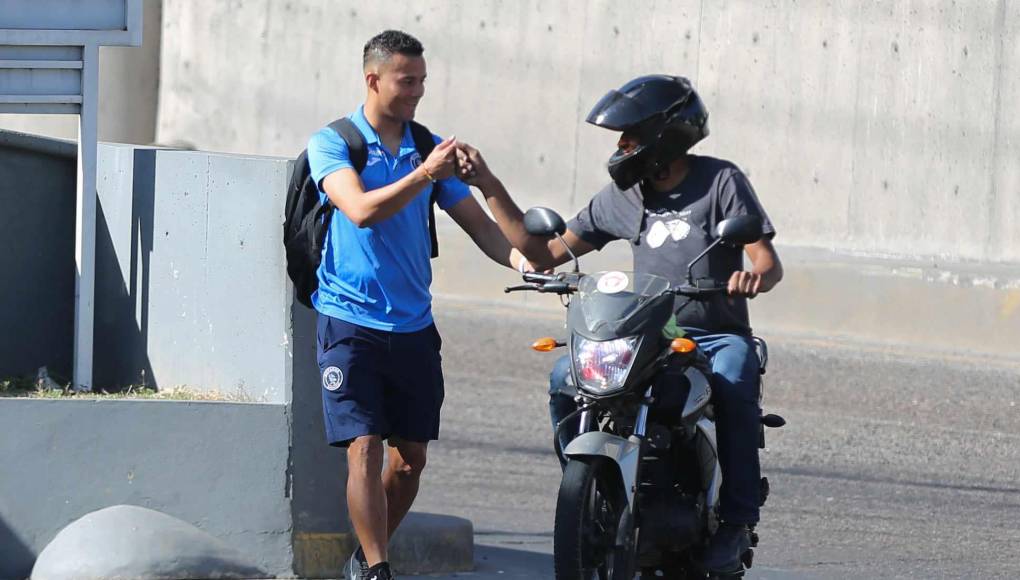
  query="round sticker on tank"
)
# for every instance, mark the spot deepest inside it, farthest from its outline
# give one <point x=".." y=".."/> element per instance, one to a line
<point x="613" y="282"/>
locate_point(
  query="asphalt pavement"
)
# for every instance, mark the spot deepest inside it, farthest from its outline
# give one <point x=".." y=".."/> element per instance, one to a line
<point x="895" y="463"/>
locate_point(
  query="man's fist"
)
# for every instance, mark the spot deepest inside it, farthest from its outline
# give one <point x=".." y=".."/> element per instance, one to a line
<point x="442" y="162"/>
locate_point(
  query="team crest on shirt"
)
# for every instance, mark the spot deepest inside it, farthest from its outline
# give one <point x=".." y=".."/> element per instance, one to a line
<point x="415" y="159"/>
<point x="332" y="378"/>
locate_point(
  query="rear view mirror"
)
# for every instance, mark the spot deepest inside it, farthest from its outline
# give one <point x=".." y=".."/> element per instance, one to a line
<point x="542" y="221"/>
<point x="740" y="231"/>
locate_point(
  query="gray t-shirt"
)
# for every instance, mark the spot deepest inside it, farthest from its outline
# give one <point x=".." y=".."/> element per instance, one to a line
<point x="667" y="230"/>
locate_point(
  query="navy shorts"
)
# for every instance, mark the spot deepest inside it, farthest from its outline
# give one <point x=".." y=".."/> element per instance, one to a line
<point x="376" y="382"/>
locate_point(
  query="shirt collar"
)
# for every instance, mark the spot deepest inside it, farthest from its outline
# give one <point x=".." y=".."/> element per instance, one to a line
<point x="372" y="137"/>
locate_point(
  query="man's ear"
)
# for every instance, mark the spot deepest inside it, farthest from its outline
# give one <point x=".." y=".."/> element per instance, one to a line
<point x="372" y="80"/>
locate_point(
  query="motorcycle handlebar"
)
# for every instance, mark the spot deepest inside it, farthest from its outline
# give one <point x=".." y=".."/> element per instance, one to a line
<point x="557" y="284"/>
<point x="700" y="291"/>
<point x="545" y="283"/>
<point x="539" y="277"/>
<point x="532" y="286"/>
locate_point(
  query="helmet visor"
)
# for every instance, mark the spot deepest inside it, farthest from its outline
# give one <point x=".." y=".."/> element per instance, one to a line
<point x="617" y="112"/>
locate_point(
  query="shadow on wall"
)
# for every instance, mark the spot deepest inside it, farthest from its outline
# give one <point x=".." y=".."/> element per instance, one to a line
<point x="319" y="472"/>
<point x="122" y="301"/>
<point x="37" y="267"/>
<point x="15" y="558"/>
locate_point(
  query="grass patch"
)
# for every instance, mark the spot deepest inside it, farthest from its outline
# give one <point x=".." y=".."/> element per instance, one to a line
<point x="29" y="388"/>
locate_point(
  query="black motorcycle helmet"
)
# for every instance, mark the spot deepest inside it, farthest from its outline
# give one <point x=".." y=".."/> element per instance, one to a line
<point x="663" y="112"/>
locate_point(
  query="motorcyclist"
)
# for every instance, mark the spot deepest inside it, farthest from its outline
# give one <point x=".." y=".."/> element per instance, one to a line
<point x="666" y="202"/>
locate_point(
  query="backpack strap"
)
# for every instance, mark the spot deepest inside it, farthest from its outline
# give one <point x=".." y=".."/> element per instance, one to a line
<point x="355" y="141"/>
<point x="424" y="143"/>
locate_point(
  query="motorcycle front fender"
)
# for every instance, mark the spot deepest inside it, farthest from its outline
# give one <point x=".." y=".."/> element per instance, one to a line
<point x="625" y="454"/>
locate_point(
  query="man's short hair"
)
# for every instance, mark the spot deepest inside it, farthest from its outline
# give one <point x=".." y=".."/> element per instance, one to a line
<point x="384" y="45"/>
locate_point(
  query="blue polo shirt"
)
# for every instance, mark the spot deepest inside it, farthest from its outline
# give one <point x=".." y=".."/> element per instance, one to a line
<point x="379" y="275"/>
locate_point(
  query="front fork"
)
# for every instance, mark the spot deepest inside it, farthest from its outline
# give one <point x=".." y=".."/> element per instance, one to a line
<point x="640" y="423"/>
<point x="633" y="448"/>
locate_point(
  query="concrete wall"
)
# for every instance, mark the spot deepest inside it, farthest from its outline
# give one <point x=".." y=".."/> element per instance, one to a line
<point x="191" y="288"/>
<point x="191" y="460"/>
<point x="877" y="134"/>
<point x="197" y="243"/>
<point x="129" y="87"/>
<point x="880" y="128"/>
<point x="37" y="261"/>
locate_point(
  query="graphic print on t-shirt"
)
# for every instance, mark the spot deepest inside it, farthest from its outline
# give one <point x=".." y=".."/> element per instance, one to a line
<point x="666" y="226"/>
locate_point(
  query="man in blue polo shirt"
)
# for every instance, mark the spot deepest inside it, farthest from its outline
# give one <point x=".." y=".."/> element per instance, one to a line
<point x="378" y="349"/>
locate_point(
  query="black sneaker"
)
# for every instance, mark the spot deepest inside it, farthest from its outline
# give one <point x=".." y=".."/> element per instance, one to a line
<point x="380" y="571"/>
<point x="356" y="567"/>
<point x="726" y="549"/>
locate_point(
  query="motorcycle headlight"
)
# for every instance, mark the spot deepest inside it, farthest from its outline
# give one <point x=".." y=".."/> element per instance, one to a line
<point x="602" y="367"/>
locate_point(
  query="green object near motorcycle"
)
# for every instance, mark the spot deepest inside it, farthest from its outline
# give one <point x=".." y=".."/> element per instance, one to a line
<point x="672" y="330"/>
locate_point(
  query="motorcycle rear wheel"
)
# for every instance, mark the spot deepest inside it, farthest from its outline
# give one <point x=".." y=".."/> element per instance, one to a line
<point x="588" y="515"/>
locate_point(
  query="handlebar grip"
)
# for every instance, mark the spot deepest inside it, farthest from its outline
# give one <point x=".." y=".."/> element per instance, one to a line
<point x="539" y="277"/>
<point x="698" y="291"/>
<point x="555" y="288"/>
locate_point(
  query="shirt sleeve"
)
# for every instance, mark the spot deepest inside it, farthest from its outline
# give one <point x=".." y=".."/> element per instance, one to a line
<point x="609" y="216"/>
<point x="327" y="153"/>
<point x="737" y="198"/>
<point x="451" y="193"/>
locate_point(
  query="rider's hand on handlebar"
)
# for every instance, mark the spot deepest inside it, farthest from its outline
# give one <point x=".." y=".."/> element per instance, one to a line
<point x="746" y="284"/>
<point x="517" y="260"/>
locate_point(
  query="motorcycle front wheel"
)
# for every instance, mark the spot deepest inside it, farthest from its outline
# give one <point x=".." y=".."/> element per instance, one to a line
<point x="589" y="509"/>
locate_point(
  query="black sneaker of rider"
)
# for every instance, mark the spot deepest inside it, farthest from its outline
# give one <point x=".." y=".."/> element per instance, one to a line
<point x="380" y="571"/>
<point x="356" y="567"/>
<point x="726" y="547"/>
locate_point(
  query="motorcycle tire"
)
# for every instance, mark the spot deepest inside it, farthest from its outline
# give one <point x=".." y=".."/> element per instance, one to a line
<point x="588" y="513"/>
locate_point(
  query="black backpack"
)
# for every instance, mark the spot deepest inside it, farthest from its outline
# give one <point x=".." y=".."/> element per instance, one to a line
<point x="306" y="220"/>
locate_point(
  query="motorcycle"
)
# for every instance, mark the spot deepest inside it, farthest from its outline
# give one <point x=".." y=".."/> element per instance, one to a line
<point x="641" y="483"/>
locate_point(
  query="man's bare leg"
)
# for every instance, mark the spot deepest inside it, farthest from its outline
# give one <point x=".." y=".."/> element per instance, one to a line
<point x="366" y="497"/>
<point x="401" y="478"/>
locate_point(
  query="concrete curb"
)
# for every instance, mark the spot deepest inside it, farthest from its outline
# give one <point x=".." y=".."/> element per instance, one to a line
<point x="424" y="544"/>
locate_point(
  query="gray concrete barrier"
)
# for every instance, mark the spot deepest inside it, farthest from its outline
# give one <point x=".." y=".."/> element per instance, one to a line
<point x="191" y="288"/>
<point x="221" y="466"/>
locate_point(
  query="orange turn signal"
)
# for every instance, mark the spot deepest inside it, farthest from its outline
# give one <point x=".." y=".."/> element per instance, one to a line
<point x="545" y="344"/>
<point x="683" y="345"/>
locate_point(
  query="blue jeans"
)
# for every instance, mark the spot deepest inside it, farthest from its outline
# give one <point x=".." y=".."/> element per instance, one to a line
<point x="735" y="387"/>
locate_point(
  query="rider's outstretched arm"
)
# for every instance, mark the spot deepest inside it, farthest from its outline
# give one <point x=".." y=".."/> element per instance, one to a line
<point x="483" y="231"/>
<point x="541" y="251"/>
